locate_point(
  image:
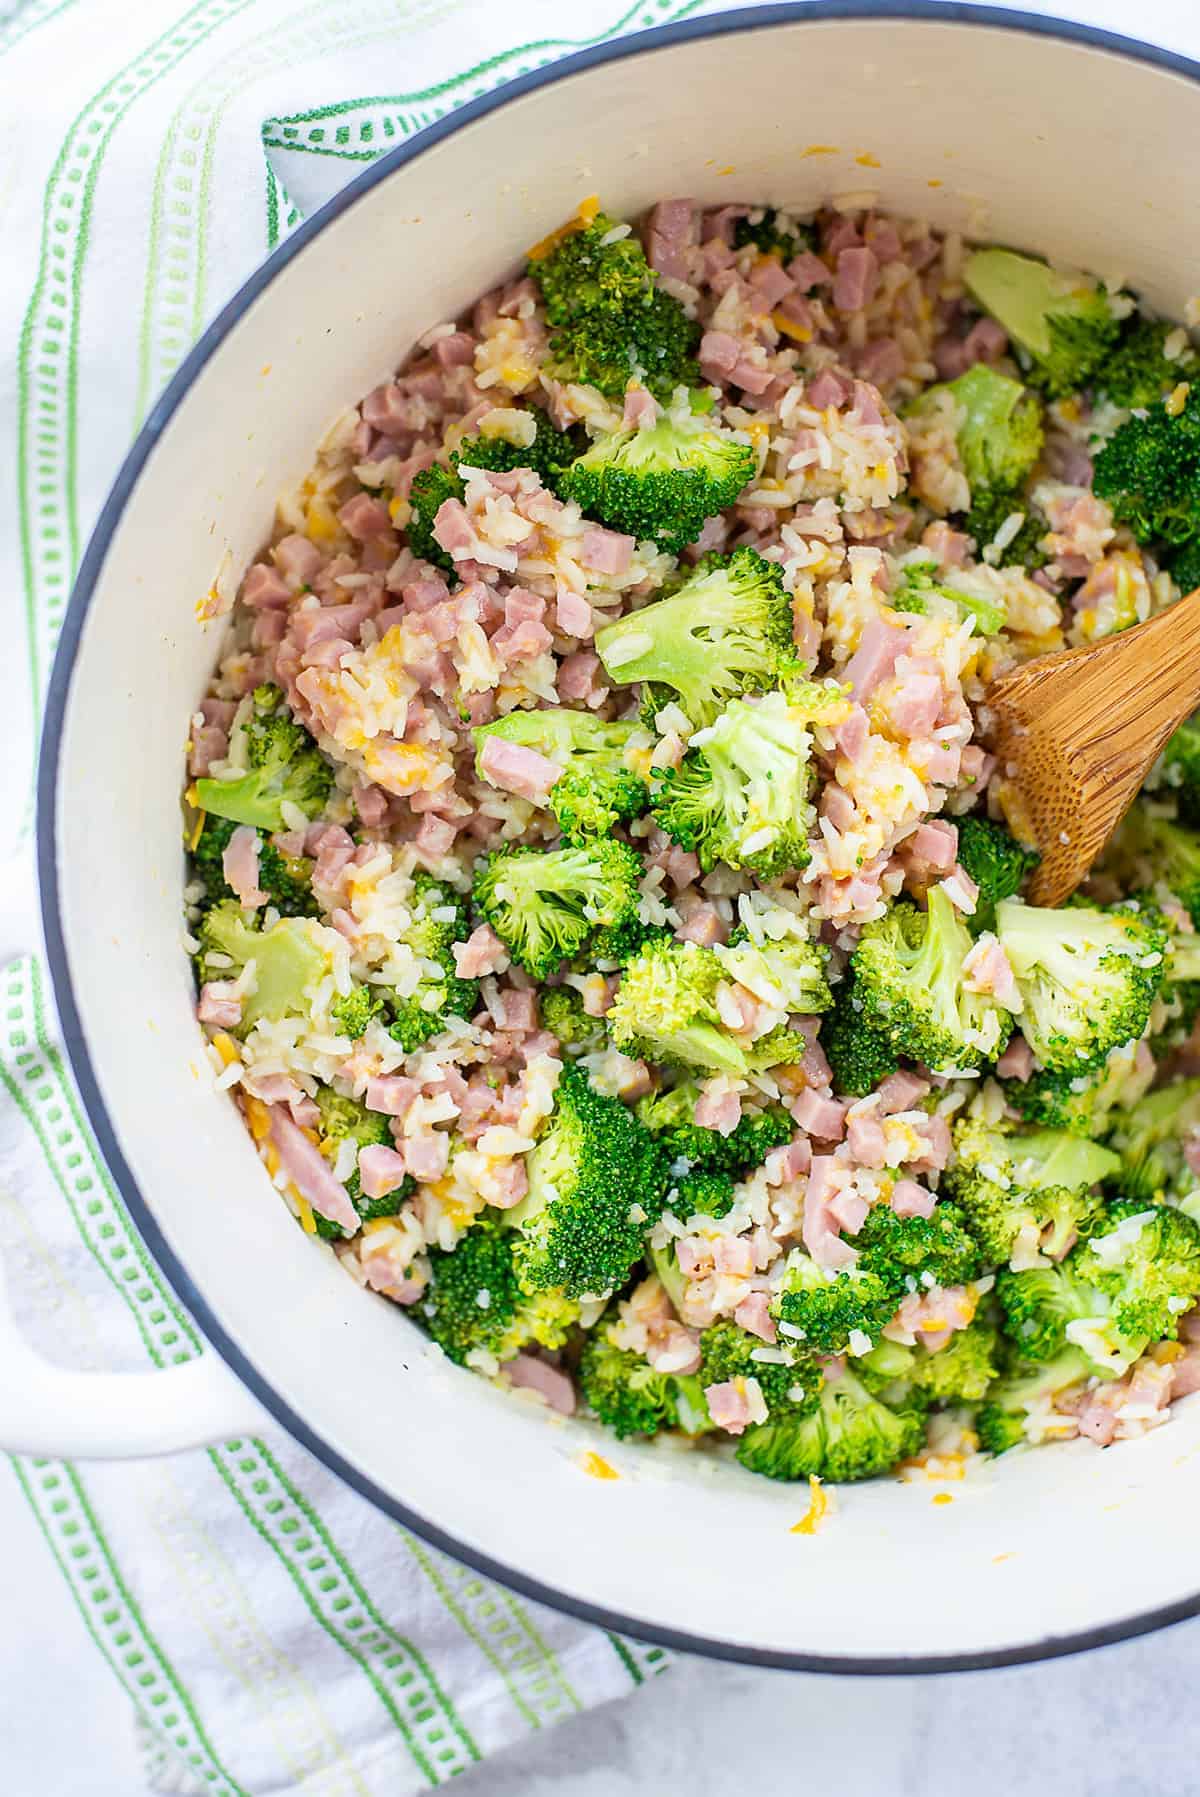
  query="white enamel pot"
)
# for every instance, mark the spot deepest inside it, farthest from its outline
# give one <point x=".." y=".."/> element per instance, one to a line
<point x="1043" y="135"/>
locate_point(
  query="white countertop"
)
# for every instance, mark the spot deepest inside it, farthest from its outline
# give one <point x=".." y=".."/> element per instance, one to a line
<point x="1119" y="1723"/>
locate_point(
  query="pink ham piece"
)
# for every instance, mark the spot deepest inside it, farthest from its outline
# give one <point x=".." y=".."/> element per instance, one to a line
<point x="900" y="1092"/>
<point x="310" y="1172"/>
<point x="668" y="238"/>
<point x="808" y="271"/>
<point x="769" y="283"/>
<point x="1017" y="1060"/>
<point x="392" y="1094"/>
<point x="851" y="734"/>
<point x="239" y="864"/>
<point x="827" y="389"/>
<point x="935" y="1133"/>
<point x="264" y="586"/>
<point x="435" y="839"/>
<point x="916" y="704"/>
<point x="482" y="953"/>
<point x="380" y="1170"/>
<point x="875" y="658"/>
<point x="727" y="1406"/>
<point x="297" y="559"/>
<point x="732" y="1254"/>
<point x="819" y="1232"/>
<point x="641" y="409"/>
<point x="579" y="677"/>
<point x="514" y="1009"/>
<point x="371" y="803"/>
<point x="508" y="1184"/>
<point x="824" y="1118"/>
<point x="607" y="551"/>
<point x="719" y="355"/>
<point x="911" y="1200"/>
<point x="516" y="769"/>
<point x="784" y="1164"/>
<point x="574" y="617"/>
<point x="987" y="969"/>
<point x="849" y="1211"/>
<point x="881" y="362"/>
<point x="754" y="1315"/>
<point x="717" y="1108"/>
<point x="380" y="1274"/>
<point x="218" y="1007"/>
<point x="935" y="845"/>
<point x="364" y="517"/>
<point x="856" y="279"/>
<point x="455" y="350"/>
<point x="549" y="1383"/>
<point x="427" y="1155"/>
<point x="865" y="1139"/>
<point x="705" y="925"/>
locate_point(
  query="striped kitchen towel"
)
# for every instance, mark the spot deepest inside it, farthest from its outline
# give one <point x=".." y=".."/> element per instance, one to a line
<point x="272" y="1632"/>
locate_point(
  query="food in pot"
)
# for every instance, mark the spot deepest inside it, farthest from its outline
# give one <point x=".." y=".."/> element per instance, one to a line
<point x="605" y="908"/>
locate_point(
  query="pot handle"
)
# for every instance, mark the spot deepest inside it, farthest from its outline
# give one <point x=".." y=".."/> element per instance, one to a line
<point x="54" y="1411"/>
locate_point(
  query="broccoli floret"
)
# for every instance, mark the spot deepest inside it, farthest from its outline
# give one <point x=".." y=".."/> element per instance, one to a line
<point x="1152" y="844"/>
<point x="549" y="455"/>
<point x="741" y="793"/>
<point x="663" y="482"/>
<point x="905" y="1252"/>
<point x="1181" y="765"/>
<point x="1063" y="322"/>
<point x="358" y="1008"/>
<point x="908" y="974"/>
<point x="666" y="1010"/>
<point x="831" y="1307"/>
<point x="1087" y="978"/>
<point x="429" y="491"/>
<point x="766" y="229"/>
<point x="1149" y="1142"/>
<point x="860" y="1055"/>
<point x="999" y="429"/>
<point x="1122" y="1288"/>
<point x="286" y="879"/>
<point x="599" y="785"/>
<point x="1001" y="1423"/>
<point x="288" y="960"/>
<point x="725" y="632"/>
<point x="701" y="1194"/>
<point x="919" y="592"/>
<point x="1149" y="472"/>
<point x="475" y="1305"/>
<point x="439" y="920"/>
<point x="1185" y="570"/>
<point x="597" y="1184"/>
<point x="728" y="1356"/>
<point x="609" y="319"/>
<point x="990" y="510"/>
<point x="630" y="1397"/>
<point x="670" y="1116"/>
<point x="1146" y="1262"/>
<point x="1042" y="1182"/>
<point x="788" y="975"/>
<point x="548" y="905"/>
<point x="849" y="1435"/>
<point x="997" y="864"/>
<point x="959" y="1372"/>
<point x="562" y="1013"/>
<point x="344" y="1119"/>
<point x="283" y="767"/>
<point x="1082" y="1102"/>
<point x="1137" y="372"/>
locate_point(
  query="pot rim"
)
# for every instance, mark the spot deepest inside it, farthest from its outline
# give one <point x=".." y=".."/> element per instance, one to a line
<point x="754" y="18"/>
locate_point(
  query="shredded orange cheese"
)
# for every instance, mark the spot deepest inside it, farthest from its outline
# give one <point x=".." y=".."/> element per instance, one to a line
<point x="820" y="150"/>
<point x="226" y="1047"/>
<point x="596" y="1467"/>
<point x="584" y="215"/>
<point x="818" y="1509"/>
<point x="787" y="327"/>
<point x="866" y="160"/>
<point x="943" y="1497"/>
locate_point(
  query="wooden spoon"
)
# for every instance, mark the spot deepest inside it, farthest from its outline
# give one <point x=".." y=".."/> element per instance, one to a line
<point x="1075" y="735"/>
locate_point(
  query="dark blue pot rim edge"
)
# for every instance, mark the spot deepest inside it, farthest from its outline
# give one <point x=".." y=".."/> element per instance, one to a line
<point x="58" y="694"/>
